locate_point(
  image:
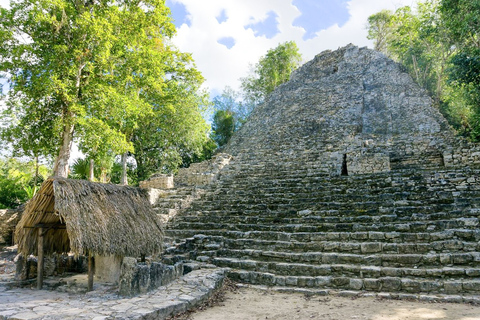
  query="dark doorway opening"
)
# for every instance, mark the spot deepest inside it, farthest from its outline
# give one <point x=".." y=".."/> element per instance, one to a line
<point x="344" y="166"/>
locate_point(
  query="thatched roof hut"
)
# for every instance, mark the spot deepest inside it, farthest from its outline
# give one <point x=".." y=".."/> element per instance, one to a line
<point x="80" y="216"/>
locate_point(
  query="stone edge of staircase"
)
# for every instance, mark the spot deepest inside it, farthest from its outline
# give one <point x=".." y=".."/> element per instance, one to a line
<point x="431" y="298"/>
<point x="205" y="281"/>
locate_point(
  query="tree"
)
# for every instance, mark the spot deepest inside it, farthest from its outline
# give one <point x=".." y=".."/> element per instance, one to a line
<point x="33" y="135"/>
<point x="272" y="70"/>
<point x="19" y="181"/>
<point x="462" y="20"/>
<point x="95" y="67"/>
<point x="230" y="101"/>
<point x="379" y="29"/>
<point x="174" y="130"/>
<point x="223" y="126"/>
<point x="438" y="44"/>
<point x="463" y="25"/>
<point x="418" y="39"/>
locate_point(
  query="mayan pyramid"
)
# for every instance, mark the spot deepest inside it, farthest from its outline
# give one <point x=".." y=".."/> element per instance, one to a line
<point x="347" y="179"/>
<point x="353" y="102"/>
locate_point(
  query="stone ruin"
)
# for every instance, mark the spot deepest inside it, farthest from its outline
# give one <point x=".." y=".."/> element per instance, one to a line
<point x="346" y="179"/>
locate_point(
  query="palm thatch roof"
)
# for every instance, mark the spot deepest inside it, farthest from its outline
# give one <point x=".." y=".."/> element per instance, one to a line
<point x="79" y="216"/>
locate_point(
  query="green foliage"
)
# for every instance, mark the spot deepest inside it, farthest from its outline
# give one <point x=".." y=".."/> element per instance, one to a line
<point x="80" y="169"/>
<point x="11" y="193"/>
<point x="175" y="130"/>
<point x="463" y="22"/>
<point x="379" y="29"/>
<point x="94" y="71"/>
<point x="223" y="126"/>
<point x="207" y="151"/>
<point x="17" y="181"/>
<point x="271" y="71"/>
<point x="116" y="173"/>
<point x="437" y="44"/>
<point x="30" y="191"/>
<point x="463" y="26"/>
<point x="230" y="101"/>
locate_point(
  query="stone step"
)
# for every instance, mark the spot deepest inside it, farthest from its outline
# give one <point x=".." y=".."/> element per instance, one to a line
<point x="357" y="247"/>
<point x="299" y="204"/>
<point x="303" y="172"/>
<point x="385" y="237"/>
<point x="385" y="284"/>
<point x="466" y="217"/>
<point x="338" y="270"/>
<point x="433" y="212"/>
<point x="333" y="192"/>
<point x="274" y="188"/>
<point x="417" y="226"/>
<point x="394" y="260"/>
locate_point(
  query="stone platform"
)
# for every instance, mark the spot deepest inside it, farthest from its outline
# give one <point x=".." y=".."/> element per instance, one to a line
<point x="178" y="296"/>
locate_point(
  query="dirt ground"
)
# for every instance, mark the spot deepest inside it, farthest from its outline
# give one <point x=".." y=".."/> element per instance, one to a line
<point x="248" y="303"/>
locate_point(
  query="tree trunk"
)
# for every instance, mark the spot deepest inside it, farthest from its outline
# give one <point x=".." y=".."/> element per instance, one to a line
<point x="124" y="180"/>
<point x="35" y="181"/>
<point x="90" y="272"/>
<point x="40" y="265"/>
<point x="61" y="163"/>
<point x="91" y="175"/>
<point x="103" y="175"/>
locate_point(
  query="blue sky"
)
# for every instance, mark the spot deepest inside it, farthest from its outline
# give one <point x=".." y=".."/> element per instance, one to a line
<point x="227" y="37"/>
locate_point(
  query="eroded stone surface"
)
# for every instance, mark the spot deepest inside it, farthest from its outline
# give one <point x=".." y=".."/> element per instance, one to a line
<point x="176" y="297"/>
<point x="346" y="178"/>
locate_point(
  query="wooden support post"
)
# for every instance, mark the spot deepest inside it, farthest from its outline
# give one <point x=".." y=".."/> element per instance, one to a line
<point x="90" y="272"/>
<point x="40" y="259"/>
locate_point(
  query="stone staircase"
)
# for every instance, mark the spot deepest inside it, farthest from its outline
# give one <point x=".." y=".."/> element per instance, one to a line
<point x="346" y="178"/>
<point x="168" y="203"/>
<point x="289" y="224"/>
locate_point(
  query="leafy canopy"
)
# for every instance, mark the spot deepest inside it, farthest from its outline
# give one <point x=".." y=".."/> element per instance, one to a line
<point x="272" y="70"/>
<point x="92" y="70"/>
<point x="438" y="42"/>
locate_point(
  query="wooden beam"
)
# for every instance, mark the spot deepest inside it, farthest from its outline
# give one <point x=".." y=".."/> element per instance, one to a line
<point x="47" y="227"/>
<point x="40" y="259"/>
<point x="90" y="271"/>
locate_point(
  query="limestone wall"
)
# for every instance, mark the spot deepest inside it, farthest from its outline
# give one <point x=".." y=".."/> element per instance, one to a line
<point x="54" y="265"/>
<point x="338" y="100"/>
<point x="203" y="173"/>
<point x="467" y="154"/>
<point x="161" y="181"/>
<point x="8" y="220"/>
<point x="107" y="268"/>
<point x="139" y="278"/>
<point x="360" y="163"/>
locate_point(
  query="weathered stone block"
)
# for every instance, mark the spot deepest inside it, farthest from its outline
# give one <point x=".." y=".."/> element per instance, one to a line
<point x="323" y="281"/>
<point x="430" y="286"/>
<point x="473" y="272"/>
<point x="372" y="284"/>
<point x="462" y="258"/>
<point x="372" y="247"/>
<point x="356" y="284"/>
<point x="410" y="285"/>
<point x="371" y="272"/>
<point x="291" y="281"/>
<point x="453" y="286"/>
<point x="162" y="181"/>
<point x="391" y="284"/>
<point x="340" y="282"/>
<point x="391" y="272"/>
<point x="472" y="286"/>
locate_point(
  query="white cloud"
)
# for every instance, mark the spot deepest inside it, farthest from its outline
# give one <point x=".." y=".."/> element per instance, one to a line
<point x="221" y="66"/>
